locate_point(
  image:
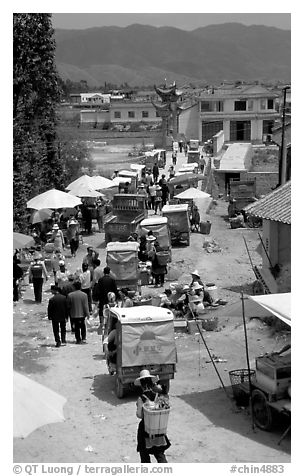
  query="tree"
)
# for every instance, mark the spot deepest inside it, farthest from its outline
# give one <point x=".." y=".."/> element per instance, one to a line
<point x="35" y="96"/>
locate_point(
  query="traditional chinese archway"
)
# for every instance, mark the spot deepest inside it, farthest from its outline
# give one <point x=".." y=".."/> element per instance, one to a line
<point x="169" y="111"/>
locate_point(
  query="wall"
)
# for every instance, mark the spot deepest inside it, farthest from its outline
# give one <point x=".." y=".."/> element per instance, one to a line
<point x="137" y="108"/>
<point x="265" y="181"/>
<point x="92" y="116"/>
<point x="277" y="241"/>
<point x="188" y="123"/>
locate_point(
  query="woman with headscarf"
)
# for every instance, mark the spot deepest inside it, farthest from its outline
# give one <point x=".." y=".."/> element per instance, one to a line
<point x="146" y="444"/>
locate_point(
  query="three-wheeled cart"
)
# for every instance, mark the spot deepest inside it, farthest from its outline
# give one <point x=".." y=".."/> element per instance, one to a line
<point x="122" y="258"/>
<point x="179" y="222"/>
<point x="144" y="340"/>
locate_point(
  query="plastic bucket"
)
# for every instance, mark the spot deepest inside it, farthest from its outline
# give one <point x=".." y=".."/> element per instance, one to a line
<point x="205" y="227"/>
<point x="212" y="290"/>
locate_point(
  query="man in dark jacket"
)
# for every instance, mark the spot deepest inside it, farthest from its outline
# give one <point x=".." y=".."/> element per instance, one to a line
<point x="155" y="172"/>
<point x="58" y="314"/>
<point x="78" y="310"/>
<point x="105" y="285"/>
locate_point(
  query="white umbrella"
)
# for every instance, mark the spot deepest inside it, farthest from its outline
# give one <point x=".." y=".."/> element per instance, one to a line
<point x="83" y="180"/>
<point x="34" y="405"/>
<point x="83" y="191"/>
<point x="53" y="199"/>
<point x="101" y="183"/>
<point x="192" y="193"/>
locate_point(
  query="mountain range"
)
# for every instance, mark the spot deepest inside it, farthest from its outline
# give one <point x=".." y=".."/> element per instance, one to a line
<point x="143" y="55"/>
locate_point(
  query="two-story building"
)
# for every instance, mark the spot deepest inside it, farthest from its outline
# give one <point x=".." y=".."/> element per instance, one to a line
<point x="244" y="113"/>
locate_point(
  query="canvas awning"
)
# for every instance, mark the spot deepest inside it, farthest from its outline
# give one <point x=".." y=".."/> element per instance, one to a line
<point x="278" y="304"/>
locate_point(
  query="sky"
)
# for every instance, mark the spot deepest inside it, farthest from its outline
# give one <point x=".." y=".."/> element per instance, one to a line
<point x="185" y="20"/>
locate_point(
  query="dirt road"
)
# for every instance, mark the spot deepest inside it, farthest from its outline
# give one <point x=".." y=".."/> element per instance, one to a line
<point x="205" y="425"/>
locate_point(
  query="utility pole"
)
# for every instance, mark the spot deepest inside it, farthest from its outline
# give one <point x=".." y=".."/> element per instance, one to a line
<point x="282" y="168"/>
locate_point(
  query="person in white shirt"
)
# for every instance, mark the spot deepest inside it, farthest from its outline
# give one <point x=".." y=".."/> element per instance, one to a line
<point x="85" y="279"/>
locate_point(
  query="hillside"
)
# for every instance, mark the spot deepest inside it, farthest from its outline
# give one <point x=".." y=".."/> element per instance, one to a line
<point x="144" y="55"/>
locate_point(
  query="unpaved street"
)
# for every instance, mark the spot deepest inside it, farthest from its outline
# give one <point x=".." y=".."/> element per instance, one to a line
<point x="205" y="425"/>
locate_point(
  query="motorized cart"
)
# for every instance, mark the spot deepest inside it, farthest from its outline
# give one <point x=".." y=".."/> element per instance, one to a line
<point x="122" y="258"/>
<point x="160" y="228"/>
<point x="179" y="222"/>
<point x="144" y="339"/>
<point x="128" y="211"/>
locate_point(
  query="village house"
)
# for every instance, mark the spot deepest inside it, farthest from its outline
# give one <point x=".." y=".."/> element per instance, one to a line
<point x="243" y="113"/>
<point x="275" y="211"/>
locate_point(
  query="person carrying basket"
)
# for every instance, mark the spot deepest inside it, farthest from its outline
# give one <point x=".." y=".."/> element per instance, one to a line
<point x="148" y="444"/>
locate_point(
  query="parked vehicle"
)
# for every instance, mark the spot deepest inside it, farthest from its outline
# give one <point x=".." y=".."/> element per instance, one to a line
<point x="144" y="339"/>
<point x="160" y="228"/>
<point x="188" y="168"/>
<point x="179" y="222"/>
<point x="193" y="144"/>
<point x="155" y="155"/>
<point x="122" y="258"/>
<point x="193" y="156"/>
<point x="128" y="211"/>
<point x="242" y="193"/>
<point x="133" y="176"/>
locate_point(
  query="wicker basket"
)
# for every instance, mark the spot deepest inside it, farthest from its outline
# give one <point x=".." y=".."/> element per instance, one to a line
<point x="156" y="421"/>
<point x="209" y="324"/>
<point x="240" y="385"/>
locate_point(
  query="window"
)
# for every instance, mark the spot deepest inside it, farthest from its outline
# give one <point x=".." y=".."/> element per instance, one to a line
<point x="157" y="114"/>
<point x="263" y="104"/>
<point x="206" y="106"/>
<point x="250" y="105"/>
<point x="131" y="114"/>
<point x="117" y="114"/>
<point x="240" y="105"/>
<point x="269" y="103"/>
<point x="145" y="114"/>
<point x="218" y="106"/>
<point x="212" y="106"/>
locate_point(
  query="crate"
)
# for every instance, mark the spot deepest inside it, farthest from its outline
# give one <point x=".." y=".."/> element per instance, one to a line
<point x="240" y="385"/>
<point x="156" y="421"/>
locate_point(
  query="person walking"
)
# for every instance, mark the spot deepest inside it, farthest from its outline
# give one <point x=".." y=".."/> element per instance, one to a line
<point x="105" y="285"/>
<point x="61" y="275"/>
<point x="152" y="194"/>
<point x="174" y="157"/>
<point x="147" y="445"/>
<point x="158" y="269"/>
<point x="158" y="199"/>
<point x="37" y="271"/>
<point x="90" y="257"/>
<point x="57" y="238"/>
<point x="165" y="192"/>
<point x="58" y="314"/>
<point x="155" y="172"/>
<point x="78" y="311"/>
<point x="73" y="228"/>
<point x="85" y="279"/>
<point x="17" y="274"/>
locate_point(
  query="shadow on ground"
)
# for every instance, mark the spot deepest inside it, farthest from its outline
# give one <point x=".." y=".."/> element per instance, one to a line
<point x="103" y="387"/>
<point x="222" y="412"/>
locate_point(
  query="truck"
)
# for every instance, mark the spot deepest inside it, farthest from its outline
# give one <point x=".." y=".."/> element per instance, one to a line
<point x="241" y="194"/>
<point x="128" y="210"/>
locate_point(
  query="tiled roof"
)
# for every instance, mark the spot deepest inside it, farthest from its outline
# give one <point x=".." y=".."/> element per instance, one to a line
<point x="275" y="206"/>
